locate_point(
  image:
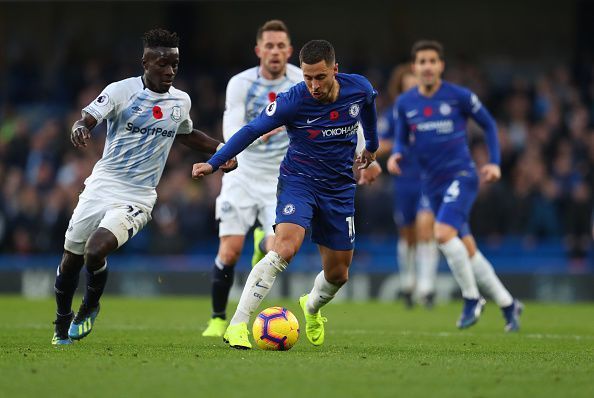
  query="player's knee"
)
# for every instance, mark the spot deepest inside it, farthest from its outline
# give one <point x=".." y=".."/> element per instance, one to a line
<point x="95" y="256"/>
<point x="337" y="277"/>
<point x="443" y="233"/>
<point x="71" y="263"/>
<point x="228" y="256"/>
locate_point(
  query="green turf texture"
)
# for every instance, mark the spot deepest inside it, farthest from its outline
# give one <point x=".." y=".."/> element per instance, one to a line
<point x="153" y="348"/>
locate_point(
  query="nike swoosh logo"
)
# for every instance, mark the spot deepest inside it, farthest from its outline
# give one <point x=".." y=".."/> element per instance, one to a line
<point x="411" y="113"/>
<point x="263" y="287"/>
<point x="313" y="120"/>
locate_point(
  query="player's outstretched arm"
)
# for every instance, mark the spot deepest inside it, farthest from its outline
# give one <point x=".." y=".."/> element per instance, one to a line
<point x="199" y="141"/>
<point x="81" y="130"/>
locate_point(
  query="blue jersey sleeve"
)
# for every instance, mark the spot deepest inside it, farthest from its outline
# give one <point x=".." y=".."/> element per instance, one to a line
<point x="401" y="129"/>
<point x="473" y="107"/>
<point x="276" y="114"/>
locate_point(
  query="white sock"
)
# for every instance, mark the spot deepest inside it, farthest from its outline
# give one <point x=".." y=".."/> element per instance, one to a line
<point x="457" y="257"/>
<point x="427" y="262"/>
<point x="321" y="294"/>
<point x="257" y="286"/>
<point x="406" y="264"/>
<point x="488" y="280"/>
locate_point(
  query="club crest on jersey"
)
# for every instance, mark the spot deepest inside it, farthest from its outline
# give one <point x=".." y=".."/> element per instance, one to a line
<point x="102" y="100"/>
<point x="271" y="108"/>
<point x="289" y="209"/>
<point x="354" y="110"/>
<point x="226" y="207"/>
<point x="445" y="109"/>
<point x="176" y="113"/>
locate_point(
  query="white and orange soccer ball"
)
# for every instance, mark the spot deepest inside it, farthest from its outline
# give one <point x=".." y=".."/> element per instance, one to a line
<point x="276" y="328"/>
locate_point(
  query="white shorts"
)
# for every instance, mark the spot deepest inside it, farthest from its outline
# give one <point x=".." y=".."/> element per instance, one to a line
<point x="124" y="220"/>
<point x="242" y="201"/>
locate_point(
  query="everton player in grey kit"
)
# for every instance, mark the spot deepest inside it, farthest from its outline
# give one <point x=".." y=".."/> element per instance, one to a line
<point x="316" y="187"/>
<point x="431" y="123"/>
<point x="145" y="115"/>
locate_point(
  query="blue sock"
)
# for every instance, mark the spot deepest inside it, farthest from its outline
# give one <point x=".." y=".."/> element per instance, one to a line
<point x="508" y="312"/>
<point x="96" y="282"/>
<point x="222" y="280"/>
<point x="64" y="288"/>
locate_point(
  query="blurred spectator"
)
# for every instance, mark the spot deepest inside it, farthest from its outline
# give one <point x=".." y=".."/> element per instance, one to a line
<point x="545" y="130"/>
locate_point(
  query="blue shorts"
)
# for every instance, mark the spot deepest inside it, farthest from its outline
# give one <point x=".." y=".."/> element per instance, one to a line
<point x="408" y="201"/>
<point x="453" y="202"/>
<point x="328" y="214"/>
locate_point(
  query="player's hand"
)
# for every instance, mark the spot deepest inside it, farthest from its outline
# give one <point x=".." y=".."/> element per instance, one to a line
<point x="79" y="135"/>
<point x="229" y="165"/>
<point x="201" y="170"/>
<point x="369" y="175"/>
<point x="393" y="166"/>
<point x="491" y="172"/>
<point x="264" y="139"/>
<point x="364" y="159"/>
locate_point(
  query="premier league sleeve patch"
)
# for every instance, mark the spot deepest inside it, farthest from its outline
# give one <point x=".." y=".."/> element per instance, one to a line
<point x="102" y="100"/>
<point x="271" y="108"/>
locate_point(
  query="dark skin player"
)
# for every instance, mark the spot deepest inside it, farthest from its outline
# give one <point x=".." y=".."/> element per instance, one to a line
<point x="160" y="66"/>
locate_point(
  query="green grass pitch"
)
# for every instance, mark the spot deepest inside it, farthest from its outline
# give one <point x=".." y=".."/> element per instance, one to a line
<point x="153" y="348"/>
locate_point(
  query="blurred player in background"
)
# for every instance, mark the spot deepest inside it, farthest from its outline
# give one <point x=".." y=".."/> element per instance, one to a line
<point x="431" y="123"/>
<point x="417" y="251"/>
<point x="144" y="116"/>
<point x="316" y="187"/>
<point x="249" y="194"/>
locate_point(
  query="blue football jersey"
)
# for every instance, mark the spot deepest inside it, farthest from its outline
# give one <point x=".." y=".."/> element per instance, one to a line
<point x="434" y="128"/>
<point x="386" y="130"/>
<point x="322" y="137"/>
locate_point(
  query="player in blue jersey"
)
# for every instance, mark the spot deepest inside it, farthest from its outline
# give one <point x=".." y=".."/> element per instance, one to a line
<point x="144" y="114"/>
<point x="417" y="252"/>
<point x="316" y="187"/>
<point x="249" y="194"/>
<point x="431" y="122"/>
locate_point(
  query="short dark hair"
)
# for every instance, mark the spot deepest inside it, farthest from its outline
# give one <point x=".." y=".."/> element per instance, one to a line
<point x="427" y="45"/>
<point x="160" y="38"/>
<point x="315" y="51"/>
<point x="274" y="25"/>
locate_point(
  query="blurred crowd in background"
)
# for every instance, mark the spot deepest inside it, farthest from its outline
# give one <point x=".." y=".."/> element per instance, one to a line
<point x="546" y="132"/>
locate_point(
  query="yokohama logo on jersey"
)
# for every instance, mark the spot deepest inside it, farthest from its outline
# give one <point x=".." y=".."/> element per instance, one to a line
<point x="445" y="126"/>
<point x="333" y="132"/>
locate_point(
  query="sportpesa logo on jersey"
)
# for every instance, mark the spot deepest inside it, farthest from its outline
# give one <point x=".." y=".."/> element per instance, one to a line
<point x="149" y="130"/>
<point x="333" y="132"/>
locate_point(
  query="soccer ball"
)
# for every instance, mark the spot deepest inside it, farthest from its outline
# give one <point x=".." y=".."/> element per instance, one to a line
<point x="276" y="328"/>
